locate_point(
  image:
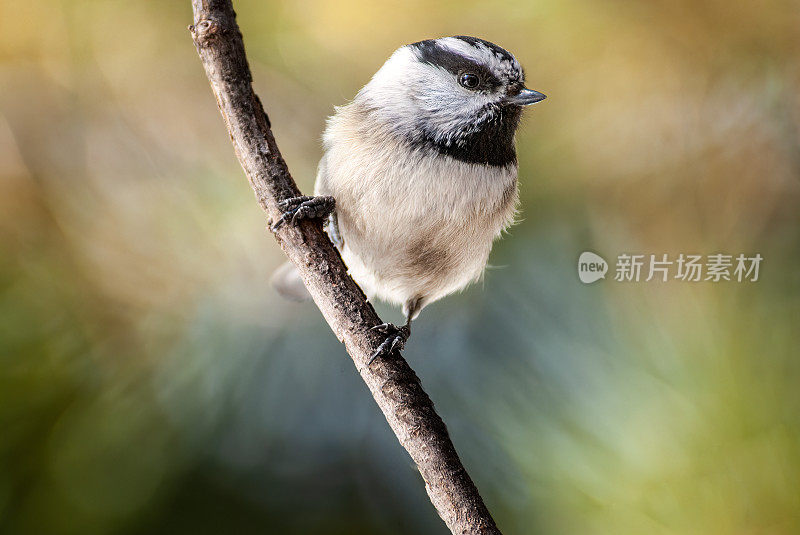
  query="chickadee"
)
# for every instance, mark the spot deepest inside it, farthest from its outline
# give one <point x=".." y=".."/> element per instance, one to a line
<point x="419" y="174"/>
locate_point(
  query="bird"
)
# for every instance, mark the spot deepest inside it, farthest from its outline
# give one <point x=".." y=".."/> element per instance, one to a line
<point x="419" y="175"/>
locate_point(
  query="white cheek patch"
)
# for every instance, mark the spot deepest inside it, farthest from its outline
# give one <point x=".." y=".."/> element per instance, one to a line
<point x="451" y="111"/>
<point x="416" y="98"/>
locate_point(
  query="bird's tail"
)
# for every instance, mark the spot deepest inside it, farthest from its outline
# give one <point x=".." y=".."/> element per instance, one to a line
<point x="286" y="280"/>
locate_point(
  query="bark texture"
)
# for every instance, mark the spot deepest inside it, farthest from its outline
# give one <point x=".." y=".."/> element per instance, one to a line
<point x="394" y="385"/>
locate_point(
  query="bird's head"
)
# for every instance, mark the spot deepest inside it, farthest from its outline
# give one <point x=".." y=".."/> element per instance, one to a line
<point x="460" y="96"/>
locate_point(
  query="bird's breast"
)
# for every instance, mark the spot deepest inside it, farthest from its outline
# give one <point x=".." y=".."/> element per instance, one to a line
<point x="412" y="217"/>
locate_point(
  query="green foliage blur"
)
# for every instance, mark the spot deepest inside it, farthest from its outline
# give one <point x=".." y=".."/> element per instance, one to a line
<point x="152" y="382"/>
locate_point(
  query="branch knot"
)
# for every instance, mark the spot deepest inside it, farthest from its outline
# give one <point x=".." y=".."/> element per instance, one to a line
<point x="205" y="30"/>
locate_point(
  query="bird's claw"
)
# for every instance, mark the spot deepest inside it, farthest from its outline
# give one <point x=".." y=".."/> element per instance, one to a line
<point x="304" y="207"/>
<point x="396" y="338"/>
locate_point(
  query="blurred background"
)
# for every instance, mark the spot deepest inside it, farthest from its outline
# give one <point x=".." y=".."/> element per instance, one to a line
<point x="152" y="382"/>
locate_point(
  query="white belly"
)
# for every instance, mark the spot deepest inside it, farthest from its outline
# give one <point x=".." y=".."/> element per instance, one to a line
<point x="414" y="225"/>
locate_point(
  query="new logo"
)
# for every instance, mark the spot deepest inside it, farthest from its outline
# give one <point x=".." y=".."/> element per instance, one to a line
<point x="591" y="267"/>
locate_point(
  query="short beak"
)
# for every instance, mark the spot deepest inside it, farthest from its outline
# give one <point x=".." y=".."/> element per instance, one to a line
<point x="526" y="97"/>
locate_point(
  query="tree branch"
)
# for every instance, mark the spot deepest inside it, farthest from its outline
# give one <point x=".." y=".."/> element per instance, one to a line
<point x="393" y="384"/>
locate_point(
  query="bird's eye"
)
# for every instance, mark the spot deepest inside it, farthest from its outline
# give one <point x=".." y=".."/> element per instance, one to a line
<point x="469" y="80"/>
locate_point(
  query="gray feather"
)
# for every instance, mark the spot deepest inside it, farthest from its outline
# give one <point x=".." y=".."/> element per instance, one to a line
<point x="287" y="282"/>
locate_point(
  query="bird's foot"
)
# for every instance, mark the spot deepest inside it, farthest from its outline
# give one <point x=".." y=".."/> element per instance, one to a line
<point x="396" y="338"/>
<point x="304" y="207"/>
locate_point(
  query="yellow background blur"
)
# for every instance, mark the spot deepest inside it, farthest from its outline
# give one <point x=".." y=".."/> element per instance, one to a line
<point x="152" y="382"/>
